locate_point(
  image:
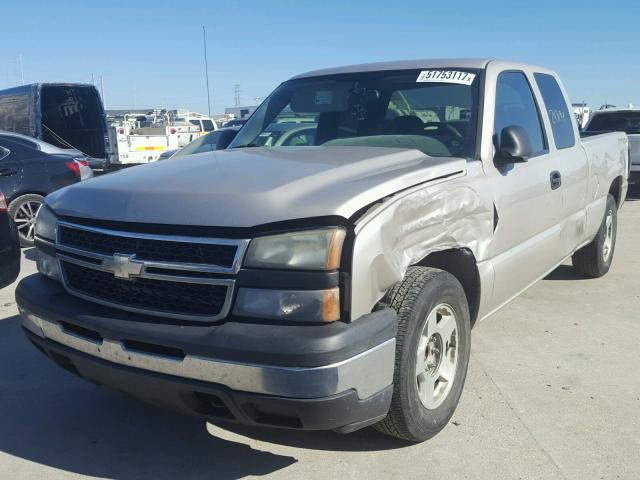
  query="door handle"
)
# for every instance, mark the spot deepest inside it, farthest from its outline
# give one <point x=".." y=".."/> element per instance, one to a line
<point x="556" y="179"/>
<point x="5" y="172"/>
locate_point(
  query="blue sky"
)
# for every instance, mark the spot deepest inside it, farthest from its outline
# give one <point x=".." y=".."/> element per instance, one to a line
<point x="150" y="52"/>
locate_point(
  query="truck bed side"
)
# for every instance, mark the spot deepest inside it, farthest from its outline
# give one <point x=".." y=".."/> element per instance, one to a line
<point x="608" y="156"/>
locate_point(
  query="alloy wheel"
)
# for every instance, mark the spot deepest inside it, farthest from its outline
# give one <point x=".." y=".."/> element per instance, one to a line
<point x="437" y="356"/>
<point x="25" y="219"/>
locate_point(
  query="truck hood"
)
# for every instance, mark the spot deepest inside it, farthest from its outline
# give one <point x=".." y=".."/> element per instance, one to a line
<point x="252" y="186"/>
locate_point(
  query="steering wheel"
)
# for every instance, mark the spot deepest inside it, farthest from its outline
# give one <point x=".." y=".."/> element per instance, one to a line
<point x="442" y="127"/>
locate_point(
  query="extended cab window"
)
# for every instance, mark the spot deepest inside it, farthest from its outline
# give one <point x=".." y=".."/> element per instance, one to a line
<point x="557" y="110"/>
<point x="515" y="105"/>
<point x="434" y="111"/>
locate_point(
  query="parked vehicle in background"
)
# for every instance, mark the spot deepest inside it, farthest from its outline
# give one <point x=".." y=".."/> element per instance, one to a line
<point x="287" y="134"/>
<point x="185" y="117"/>
<point x="147" y="138"/>
<point x="138" y="143"/>
<point x="40" y="144"/>
<point x="625" y="120"/>
<point x="190" y="125"/>
<point x="582" y="112"/>
<point x="168" y="154"/>
<point x="330" y="284"/>
<point x="234" y="123"/>
<point x="67" y="115"/>
<point x="27" y="175"/>
<point x="9" y="246"/>
<point x="218" y="140"/>
<point x="85" y="164"/>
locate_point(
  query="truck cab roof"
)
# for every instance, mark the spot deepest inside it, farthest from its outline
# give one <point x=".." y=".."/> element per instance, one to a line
<point x="475" y="63"/>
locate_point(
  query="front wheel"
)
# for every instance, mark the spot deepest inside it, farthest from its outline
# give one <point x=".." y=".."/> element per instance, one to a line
<point x="432" y="353"/>
<point x="594" y="259"/>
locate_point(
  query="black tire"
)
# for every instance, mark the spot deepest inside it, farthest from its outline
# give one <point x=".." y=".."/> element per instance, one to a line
<point x="590" y="260"/>
<point x="421" y="291"/>
<point x="20" y="209"/>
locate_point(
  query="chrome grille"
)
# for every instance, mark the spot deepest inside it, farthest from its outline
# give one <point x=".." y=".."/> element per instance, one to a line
<point x="163" y="275"/>
<point x="149" y="248"/>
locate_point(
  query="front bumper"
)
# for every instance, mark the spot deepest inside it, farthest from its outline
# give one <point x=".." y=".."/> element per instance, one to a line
<point x="343" y="383"/>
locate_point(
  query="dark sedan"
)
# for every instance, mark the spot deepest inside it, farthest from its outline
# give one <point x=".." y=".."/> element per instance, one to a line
<point x="27" y="175"/>
<point x="9" y="247"/>
<point x="212" y="141"/>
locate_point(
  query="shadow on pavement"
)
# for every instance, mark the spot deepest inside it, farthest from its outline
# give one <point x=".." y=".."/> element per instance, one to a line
<point x="365" y="440"/>
<point x="565" y="272"/>
<point x="50" y="417"/>
<point x="55" y="419"/>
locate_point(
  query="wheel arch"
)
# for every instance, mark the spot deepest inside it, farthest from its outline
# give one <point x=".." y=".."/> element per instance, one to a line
<point x="616" y="190"/>
<point x="461" y="263"/>
<point x="22" y="193"/>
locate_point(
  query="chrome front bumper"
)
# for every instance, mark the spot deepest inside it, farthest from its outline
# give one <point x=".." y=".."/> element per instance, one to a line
<point x="366" y="373"/>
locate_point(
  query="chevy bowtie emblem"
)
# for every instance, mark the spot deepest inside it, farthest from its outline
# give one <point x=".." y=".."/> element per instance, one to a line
<point x="123" y="266"/>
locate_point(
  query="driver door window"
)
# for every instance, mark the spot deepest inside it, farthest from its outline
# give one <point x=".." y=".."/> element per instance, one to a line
<point x="515" y="105"/>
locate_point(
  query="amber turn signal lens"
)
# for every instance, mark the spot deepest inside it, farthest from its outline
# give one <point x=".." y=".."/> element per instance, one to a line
<point x="331" y="305"/>
<point x="334" y="251"/>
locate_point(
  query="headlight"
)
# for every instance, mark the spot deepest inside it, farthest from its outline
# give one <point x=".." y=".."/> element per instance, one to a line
<point x="46" y="223"/>
<point x="46" y="229"/>
<point x="311" y="250"/>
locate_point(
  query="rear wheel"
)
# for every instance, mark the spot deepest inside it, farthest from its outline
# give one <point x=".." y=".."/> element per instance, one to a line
<point x="432" y="353"/>
<point x="594" y="259"/>
<point x="23" y="211"/>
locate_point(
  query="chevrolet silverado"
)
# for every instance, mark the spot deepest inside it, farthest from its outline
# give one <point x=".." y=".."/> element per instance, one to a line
<point x="330" y="284"/>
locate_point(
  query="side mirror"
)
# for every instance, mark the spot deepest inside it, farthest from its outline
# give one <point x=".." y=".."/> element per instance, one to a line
<point x="515" y="146"/>
<point x="225" y="138"/>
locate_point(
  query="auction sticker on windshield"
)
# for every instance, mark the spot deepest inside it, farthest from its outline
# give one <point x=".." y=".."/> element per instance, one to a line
<point x="446" y="76"/>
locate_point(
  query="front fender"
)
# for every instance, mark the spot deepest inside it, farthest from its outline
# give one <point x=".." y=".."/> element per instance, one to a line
<point x="410" y="225"/>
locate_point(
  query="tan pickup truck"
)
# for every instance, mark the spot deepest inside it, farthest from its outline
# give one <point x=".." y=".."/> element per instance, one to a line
<point x="330" y="282"/>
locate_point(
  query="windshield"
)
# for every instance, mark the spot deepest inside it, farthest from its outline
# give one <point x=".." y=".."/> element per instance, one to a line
<point x="628" y="122"/>
<point x="434" y="111"/>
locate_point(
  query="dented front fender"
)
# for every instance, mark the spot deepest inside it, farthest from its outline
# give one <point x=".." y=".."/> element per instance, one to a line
<point x="406" y="227"/>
